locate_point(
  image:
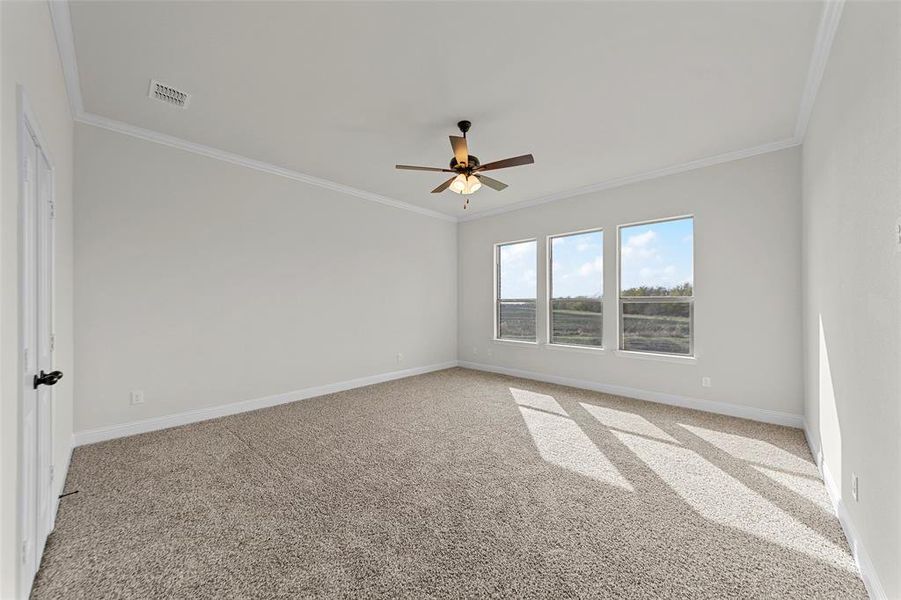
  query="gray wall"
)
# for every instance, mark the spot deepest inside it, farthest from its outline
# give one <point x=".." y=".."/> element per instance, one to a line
<point x="30" y="58"/>
<point x="204" y="283"/>
<point x="852" y="338"/>
<point x="747" y="283"/>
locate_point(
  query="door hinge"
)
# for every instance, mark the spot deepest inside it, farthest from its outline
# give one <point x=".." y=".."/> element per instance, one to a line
<point x="51" y="473"/>
<point x="52" y="209"/>
<point x="25" y="170"/>
<point x="52" y="342"/>
<point x="24" y="551"/>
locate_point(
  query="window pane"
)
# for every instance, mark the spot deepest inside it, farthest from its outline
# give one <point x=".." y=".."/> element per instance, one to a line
<point x="577" y="322"/>
<point x="663" y="327"/>
<point x="577" y="287"/>
<point x="656" y="259"/>
<point x="517" y="291"/>
<point x="516" y="279"/>
<point x="516" y="320"/>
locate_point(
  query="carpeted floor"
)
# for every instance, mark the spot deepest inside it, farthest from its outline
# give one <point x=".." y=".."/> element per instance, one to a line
<point x="451" y="484"/>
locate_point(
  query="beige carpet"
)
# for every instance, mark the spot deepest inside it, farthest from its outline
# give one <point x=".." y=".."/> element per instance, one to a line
<point x="452" y="484"/>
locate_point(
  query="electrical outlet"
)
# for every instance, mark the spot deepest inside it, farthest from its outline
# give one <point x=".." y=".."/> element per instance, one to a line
<point x="137" y="397"/>
<point x="400" y="357"/>
<point x="705" y="382"/>
<point x="475" y="350"/>
<point x="854" y="490"/>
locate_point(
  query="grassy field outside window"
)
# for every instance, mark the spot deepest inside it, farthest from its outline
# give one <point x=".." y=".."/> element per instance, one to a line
<point x="576" y="289"/>
<point x="657" y="287"/>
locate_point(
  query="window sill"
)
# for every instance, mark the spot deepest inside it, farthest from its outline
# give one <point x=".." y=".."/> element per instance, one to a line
<point x="522" y="343"/>
<point x="574" y="348"/>
<point x="671" y="358"/>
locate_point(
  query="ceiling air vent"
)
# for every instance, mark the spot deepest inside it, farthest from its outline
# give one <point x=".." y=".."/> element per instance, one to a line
<point x="168" y="94"/>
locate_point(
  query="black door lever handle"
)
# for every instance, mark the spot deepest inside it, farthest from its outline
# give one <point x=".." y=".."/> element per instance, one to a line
<point x="47" y="378"/>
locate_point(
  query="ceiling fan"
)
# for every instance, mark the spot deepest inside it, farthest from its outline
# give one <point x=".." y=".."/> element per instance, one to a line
<point x="469" y="171"/>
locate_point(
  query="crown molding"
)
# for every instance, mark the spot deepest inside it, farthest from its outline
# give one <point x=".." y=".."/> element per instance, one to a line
<point x="638" y="177"/>
<point x="62" y="26"/>
<point x="65" y="43"/>
<point x="832" y="14"/>
<point x="829" y="20"/>
<point x="258" y="165"/>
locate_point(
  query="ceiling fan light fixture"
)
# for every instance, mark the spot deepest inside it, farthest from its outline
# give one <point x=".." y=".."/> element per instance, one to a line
<point x="459" y="185"/>
<point x="465" y="184"/>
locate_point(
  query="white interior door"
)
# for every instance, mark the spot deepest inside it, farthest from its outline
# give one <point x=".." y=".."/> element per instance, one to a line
<point x="29" y="407"/>
<point x="44" y="347"/>
<point x="38" y="377"/>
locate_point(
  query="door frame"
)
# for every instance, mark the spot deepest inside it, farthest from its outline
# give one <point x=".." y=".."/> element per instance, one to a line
<point x="27" y="125"/>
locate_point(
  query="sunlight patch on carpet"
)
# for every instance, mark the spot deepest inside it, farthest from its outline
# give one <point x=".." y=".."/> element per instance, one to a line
<point x="806" y="487"/>
<point x="562" y="442"/>
<point x="721" y="498"/>
<point x="752" y="450"/>
<point x="539" y="401"/>
<point x="627" y="421"/>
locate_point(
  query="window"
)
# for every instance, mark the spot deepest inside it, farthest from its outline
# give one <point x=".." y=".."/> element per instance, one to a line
<point x="657" y="287"/>
<point x="576" y="288"/>
<point x="516" y="290"/>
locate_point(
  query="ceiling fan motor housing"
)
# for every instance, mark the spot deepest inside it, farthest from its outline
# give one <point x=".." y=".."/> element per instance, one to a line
<point x="473" y="163"/>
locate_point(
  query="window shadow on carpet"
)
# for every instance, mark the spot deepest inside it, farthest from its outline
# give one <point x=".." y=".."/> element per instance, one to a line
<point x="741" y="482"/>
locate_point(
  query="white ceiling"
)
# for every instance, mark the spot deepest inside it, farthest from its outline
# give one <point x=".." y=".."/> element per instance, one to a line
<point x="343" y="91"/>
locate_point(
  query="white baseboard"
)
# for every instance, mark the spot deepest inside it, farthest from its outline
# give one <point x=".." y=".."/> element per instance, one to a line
<point x="814" y="444"/>
<point x="91" y="436"/>
<point x="864" y="564"/>
<point x="733" y="410"/>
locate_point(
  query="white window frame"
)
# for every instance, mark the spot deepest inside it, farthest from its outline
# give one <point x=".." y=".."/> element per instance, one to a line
<point x="690" y="300"/>
<point x="550" y="291"/>
<point x="495" y="336"/>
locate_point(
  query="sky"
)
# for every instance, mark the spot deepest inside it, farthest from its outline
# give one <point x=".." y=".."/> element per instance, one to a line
<point x="518" y="275"/>
<point x="655" y="254"/>
<point x="578" y="265"/>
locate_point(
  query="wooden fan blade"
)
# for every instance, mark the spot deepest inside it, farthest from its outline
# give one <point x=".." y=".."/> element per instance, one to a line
<point x="461" y="149"/>
<point x="525" y="159"/>
<point x="412" y="168"/>
<point x="492" y="183"/>
<point x="444" y="185"/>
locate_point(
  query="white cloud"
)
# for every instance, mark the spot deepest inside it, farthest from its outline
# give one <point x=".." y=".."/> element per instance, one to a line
<point x="517" y="277"/>
<point x="516" y="251"/>
<point x="640" y="245"/>
<point x="595" y="266"/>
<point x="641" y="239"/>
